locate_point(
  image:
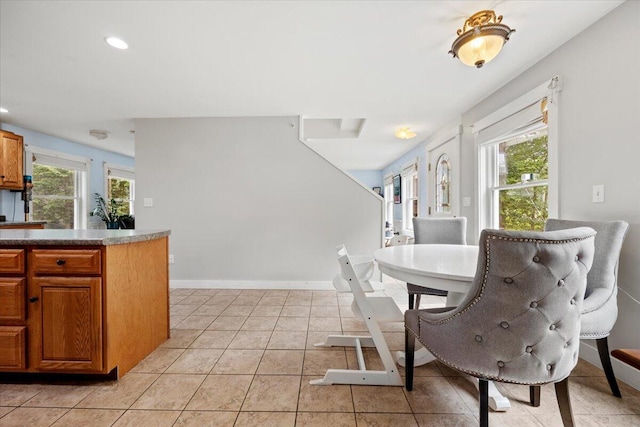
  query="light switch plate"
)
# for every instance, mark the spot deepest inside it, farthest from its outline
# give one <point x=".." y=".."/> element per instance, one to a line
<point x="466" y="202"/>
<point x="598" y="193"/>
<point x="148" y="202"/>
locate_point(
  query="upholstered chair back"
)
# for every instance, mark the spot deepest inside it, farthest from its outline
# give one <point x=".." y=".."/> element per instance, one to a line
<point x="444" y="231"/>
<point x="521" y="320"/>
<point x="600" y="310"/>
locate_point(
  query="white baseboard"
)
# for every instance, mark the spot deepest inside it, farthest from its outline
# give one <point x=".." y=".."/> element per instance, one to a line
<point x="260" y="284"/>
<point x="252" y="284"/>
<point x="624" y="372"/>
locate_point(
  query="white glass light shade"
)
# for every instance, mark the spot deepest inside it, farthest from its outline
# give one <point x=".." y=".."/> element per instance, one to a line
<point x="480" y="39"/>
<point x="480" y="49"/>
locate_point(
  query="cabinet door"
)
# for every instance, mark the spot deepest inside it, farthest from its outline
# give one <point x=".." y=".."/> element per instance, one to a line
<point x="66" y="322"/>
<point x="11" y="161"/>
<point x="12" y="299"/>
<point x="12" y="345"/>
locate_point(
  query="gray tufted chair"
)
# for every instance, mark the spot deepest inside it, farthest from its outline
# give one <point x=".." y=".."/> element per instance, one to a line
<point x="445" y="231"/>
<point x="600" y="309"/>
<point x="520" y="321"/>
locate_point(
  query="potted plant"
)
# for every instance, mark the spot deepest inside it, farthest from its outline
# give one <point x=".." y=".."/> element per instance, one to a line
<point x="107" y="211"/>
<point x="127" y="222"/>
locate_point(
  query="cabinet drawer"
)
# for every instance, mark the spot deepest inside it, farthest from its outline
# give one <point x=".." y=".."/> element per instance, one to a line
<point x="12" y="261"/>
<point x="12" y="348"/>
<point x="12" y="299"/>
<point x="65" y="261"/>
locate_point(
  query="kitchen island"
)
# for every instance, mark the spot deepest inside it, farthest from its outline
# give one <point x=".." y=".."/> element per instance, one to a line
<point x="82" y="301"/>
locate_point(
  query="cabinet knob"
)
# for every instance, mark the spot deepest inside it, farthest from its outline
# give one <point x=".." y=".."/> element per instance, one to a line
<point x="33" y="299"/>
<point x="61" y="262"/>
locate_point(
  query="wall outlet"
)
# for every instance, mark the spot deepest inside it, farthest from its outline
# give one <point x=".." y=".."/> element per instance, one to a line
<point x="171" y="259"/>
<point x="598" y="193"/>
<point x="148" y="202"/>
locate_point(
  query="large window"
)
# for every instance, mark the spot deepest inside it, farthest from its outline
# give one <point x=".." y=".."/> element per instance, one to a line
<point x="517" y="162"/>
<point x="410" y="195"/>
<point x="120" y="185"/>
<point x="519" y="181"/>
<point x="59" y="188"/>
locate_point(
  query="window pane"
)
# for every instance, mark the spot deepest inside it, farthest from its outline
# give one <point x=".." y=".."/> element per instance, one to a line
<point x="523" y="159"/>
<point x="120" y="190"/>
<point x="524" y="208"/>
<point x="57" y="212"/>
<point x="53" y="181"/>
<point x="443" y="184"/>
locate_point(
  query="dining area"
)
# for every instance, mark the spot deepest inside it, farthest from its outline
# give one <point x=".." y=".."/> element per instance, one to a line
<point x="515" y="306"/>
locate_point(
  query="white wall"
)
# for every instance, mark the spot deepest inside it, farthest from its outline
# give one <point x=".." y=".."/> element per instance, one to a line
<point x="246" y="201"/>
<point x="599" y="113"/>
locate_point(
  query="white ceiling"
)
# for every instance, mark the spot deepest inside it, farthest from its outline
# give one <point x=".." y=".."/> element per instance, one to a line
<point x="384" y="61"/>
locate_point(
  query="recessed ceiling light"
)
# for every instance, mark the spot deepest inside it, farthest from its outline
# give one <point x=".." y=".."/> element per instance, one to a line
<point x="116" y="42"/>
<point x="3" y="110"/>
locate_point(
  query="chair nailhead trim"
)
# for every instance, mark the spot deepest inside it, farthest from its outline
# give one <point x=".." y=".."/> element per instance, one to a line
<point x="478" y="338"/>
<point x="504" y="325"/>
<point x="536" y="259"/>
<point x="533" y="304"/>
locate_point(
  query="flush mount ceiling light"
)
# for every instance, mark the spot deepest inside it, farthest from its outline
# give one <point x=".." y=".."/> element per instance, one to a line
<point x="405" y="133"/>
<point x="480" y="39"/>
<point x="98" y="134"/>
<point x="116" y="42"/>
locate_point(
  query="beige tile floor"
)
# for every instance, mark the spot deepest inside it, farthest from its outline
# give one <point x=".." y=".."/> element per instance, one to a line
<point x="245" y="358"/>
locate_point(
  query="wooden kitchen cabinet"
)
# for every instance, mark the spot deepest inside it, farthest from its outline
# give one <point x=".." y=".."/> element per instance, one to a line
<point x="11" y="160"/>
<point x="65" y="310"/>
<point x="13" y="315"/>
<point x="82" y="309"/>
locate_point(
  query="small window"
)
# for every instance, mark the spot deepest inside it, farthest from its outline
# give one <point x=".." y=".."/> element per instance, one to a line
<point x="443" y="185"/>
<point x="121" y="187"/>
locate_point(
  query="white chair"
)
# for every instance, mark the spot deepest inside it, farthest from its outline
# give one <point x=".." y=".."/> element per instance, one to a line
<point x="356" y="272"/>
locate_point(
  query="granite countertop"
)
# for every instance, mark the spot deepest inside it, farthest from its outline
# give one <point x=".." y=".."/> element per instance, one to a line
<point x="78" y="237"/>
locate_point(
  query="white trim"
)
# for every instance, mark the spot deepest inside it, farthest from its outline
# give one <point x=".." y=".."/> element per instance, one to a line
<point x="623" y="372"/>
<point x="259" y="284"/>
<point x="59" y="159"/>
<point x="455" y="132"/>
<point x="411" y="167"/>
<point x="518" y="104"/>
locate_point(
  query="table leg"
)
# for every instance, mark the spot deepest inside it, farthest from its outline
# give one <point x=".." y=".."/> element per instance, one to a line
<point x="497" y="402"/>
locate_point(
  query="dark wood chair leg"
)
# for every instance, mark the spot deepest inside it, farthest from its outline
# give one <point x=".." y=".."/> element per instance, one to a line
<point x="605" y="359"/>
<point x="534" y="395"/>
<point x="409" y="348"/>
<point x="417" y="301"/>
<point x="484" y="402"/>
<point x="411" y="301"/>
<point x="564" y="402"/>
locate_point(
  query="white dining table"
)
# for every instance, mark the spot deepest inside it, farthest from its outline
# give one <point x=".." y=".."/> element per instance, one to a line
<point x="447" y="267"/>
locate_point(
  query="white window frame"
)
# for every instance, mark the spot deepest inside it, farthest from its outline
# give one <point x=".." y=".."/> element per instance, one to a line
<point x="497" y="127"/>
<point x="82" y="165"/>
<point x="122" y="172"/>
<point x="409" y="172"/>
<point x="388" y="198"/>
